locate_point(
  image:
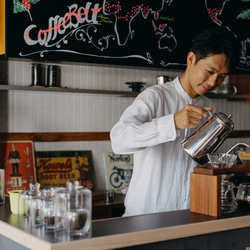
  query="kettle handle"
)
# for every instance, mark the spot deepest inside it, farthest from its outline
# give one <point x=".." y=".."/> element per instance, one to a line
<point x="186" y="129"/>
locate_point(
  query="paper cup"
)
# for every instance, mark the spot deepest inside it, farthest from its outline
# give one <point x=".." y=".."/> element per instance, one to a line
<point x="14" y="194"/>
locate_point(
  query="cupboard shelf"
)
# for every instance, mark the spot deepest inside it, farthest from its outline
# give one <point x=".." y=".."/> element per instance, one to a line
<point x="70" y="90"/>
<point x="80" y="136"/>
<point x="237" y="97"/>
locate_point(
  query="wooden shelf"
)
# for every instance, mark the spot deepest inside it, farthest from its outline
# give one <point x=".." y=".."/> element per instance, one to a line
<point x="56" y="136"/>
<point x="70" y="90"/>
<point x="238" y="97"/>
<point x="209" y="170"/>
<point x="81" y="136"/>
<point x="239" y="134"/>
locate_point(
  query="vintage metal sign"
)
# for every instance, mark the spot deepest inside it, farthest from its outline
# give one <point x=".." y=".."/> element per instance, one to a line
<point x="17" y="158"/>
<point x="119" y="169"/>
<point x="55" y="168"/>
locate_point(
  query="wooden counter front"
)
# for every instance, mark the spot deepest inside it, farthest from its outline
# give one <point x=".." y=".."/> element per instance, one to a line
<point x="126" y="232"/>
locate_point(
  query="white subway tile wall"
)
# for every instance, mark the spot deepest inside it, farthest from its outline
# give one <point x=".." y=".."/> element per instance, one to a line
<point x="29" y="111"/>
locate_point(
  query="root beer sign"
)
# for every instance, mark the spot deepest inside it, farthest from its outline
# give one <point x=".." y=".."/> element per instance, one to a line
<point x="55" y="168"/>
<point x="145" y="33"/>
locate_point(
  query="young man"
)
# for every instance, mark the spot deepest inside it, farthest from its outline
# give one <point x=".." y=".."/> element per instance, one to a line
<point x="153" y="127"/>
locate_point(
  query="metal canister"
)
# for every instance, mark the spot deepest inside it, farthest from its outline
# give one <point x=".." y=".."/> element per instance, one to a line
<point x="36" y="74"/>
<point x="52" y="76"/>
<point x="162" y="79"/>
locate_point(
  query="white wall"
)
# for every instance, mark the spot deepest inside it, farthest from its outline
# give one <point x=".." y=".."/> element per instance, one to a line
<point x="29" y="111"/>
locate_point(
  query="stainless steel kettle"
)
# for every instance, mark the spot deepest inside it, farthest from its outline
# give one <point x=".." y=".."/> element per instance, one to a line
<point x="207" y="138"/>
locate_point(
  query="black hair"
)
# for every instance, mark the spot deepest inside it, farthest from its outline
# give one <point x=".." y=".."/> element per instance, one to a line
<point x="214" y="41"/>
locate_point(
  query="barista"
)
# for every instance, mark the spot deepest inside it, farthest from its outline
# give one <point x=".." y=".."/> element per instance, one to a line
<point x="153" y="127"/>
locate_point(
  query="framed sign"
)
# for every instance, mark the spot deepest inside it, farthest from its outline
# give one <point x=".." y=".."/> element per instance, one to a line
<point x="119" y="169"/>
<point x="55" y="168"/>
<point x="17" y="158"/>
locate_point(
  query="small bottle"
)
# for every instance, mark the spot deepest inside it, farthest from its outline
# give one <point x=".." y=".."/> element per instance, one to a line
<point x="33" y="191"/>
<point x="49" y="208"/>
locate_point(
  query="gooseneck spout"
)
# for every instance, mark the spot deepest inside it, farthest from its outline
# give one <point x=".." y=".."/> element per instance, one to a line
<point x="236" y="145"/>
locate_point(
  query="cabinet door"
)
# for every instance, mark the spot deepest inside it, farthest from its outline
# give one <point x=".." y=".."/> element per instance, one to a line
<point x="2" y="27"/>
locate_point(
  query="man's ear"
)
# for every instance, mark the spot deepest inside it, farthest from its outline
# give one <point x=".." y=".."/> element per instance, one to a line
<point x="191" y="58"/>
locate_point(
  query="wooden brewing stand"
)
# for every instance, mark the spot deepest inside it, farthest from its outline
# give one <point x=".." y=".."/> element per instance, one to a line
<point x="205" y="188"/>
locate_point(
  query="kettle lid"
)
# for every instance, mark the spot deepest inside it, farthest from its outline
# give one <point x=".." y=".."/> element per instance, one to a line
<point x="224" y="119"/>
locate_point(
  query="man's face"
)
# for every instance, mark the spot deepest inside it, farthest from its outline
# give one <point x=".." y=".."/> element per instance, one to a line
<point x="206" y="74"/>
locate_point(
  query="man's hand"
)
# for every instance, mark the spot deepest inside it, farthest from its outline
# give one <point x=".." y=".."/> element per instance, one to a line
<point x="190" y="116"/>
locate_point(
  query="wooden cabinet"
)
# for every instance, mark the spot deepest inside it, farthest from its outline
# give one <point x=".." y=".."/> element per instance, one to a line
<point x="241" y="81"/>
<point x="102" y="210"/>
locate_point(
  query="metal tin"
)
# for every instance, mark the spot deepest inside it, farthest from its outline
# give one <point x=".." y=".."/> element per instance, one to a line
<point x="36" y="74"/>
<point x="162" y="79"/>
<point x="52" y="76"/>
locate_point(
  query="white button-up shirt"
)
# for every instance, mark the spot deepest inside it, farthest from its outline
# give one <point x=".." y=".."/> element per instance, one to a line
<point x="161" y="174"/>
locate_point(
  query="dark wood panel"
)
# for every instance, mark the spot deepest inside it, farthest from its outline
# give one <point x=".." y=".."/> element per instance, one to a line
<point x="219" y="171"/>
<point x="240" y="134"/>
<point x="241" y="81"/>
<point x="81" y="136"/>
<point x="58" y="136"/>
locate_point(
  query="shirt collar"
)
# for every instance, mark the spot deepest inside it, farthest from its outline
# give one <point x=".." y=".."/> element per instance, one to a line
<point x="180" y="89"/>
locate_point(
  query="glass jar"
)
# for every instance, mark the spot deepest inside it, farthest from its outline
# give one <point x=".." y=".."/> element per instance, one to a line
<point x="73" y="212"/>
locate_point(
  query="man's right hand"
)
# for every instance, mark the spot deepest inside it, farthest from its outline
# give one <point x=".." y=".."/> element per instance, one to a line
<point x="190" y="116"/>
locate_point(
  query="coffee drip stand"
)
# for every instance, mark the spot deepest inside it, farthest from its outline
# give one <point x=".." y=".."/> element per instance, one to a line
<point x="205" y="188"/>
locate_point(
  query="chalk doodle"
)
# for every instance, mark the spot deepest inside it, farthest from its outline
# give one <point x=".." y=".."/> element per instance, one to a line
<point x="141" y="33"/>
<point x="239" y="16"/>
<point x="125" y="14"/>
<point x="25" y="5"/>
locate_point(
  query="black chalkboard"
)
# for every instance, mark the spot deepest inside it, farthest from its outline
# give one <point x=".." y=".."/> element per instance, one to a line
<point x="153" y="33"/>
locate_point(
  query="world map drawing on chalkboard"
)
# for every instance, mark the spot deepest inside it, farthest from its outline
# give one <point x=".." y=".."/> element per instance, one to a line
<point x="125" y="13"/>
<point x="141" y="33"/>
<point x="238" y="23"/>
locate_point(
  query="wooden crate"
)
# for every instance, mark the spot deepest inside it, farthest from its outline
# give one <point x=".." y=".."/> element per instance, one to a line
<point x="205" y="188"/>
